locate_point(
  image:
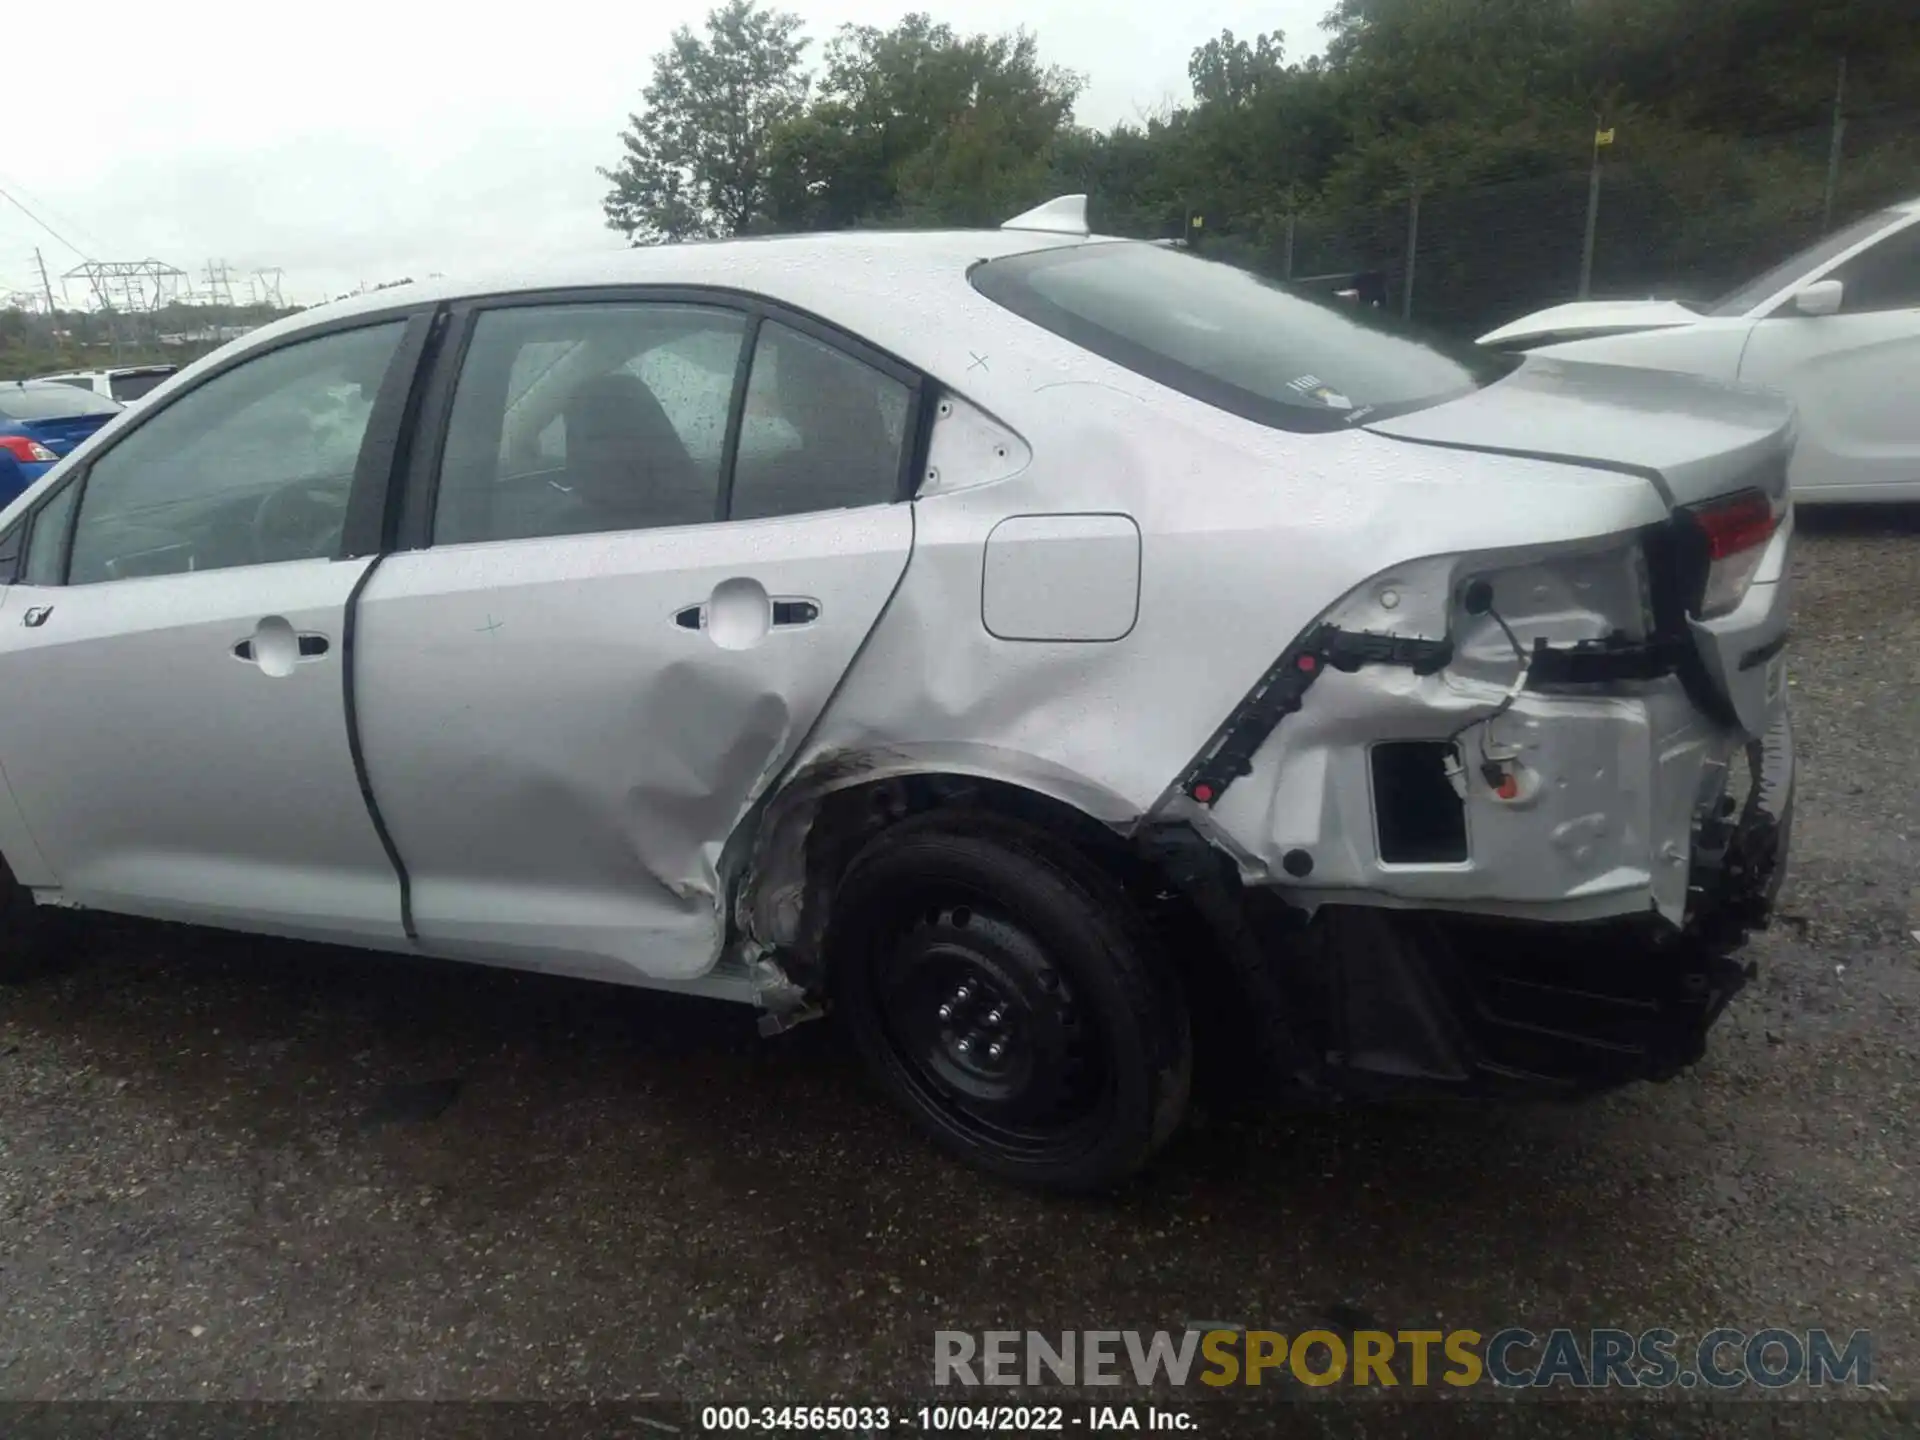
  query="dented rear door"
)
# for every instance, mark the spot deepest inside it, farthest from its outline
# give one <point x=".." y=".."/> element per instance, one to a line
<point x="562" y="729"/>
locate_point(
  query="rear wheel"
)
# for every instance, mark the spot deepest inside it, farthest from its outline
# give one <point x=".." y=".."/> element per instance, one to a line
<point x="1008" y="995"/>
<point x="24" y="942"/>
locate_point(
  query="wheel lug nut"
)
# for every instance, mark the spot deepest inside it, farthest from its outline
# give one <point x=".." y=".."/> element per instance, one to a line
<point x="946" y="1012"/>
<point x="993" y="1016"/>
<point x="996" y="1050"/>
<point x="965" y="1047"/>
<point x="962" y="995"/>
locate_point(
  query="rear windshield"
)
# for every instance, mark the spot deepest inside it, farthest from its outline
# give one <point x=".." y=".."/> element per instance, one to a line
<point x="1251" y="346"/>
<point x="50" y="400"/>
<point x="132" y="386"/>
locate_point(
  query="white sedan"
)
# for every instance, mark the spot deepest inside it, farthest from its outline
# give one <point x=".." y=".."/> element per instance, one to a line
<point x="1041" y="649"/>
<point x="1836" y="329"/>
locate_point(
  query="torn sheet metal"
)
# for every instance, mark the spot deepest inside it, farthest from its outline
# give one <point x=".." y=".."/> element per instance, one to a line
<point x="1243" y="547"/>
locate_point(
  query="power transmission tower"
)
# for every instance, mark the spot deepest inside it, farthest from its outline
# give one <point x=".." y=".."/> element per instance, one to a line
<point x="45" y="284"/>
<point x="219" y="284"/>
<point x="265" y="286"/>
<point x="134" y="285"/>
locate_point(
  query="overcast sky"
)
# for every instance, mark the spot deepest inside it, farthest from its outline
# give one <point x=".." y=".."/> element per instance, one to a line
<point x="356" y="142"/>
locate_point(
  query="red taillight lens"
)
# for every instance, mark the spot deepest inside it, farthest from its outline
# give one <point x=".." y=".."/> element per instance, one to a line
<point x="25" y="450"/>
<point x="1736" y="531"/>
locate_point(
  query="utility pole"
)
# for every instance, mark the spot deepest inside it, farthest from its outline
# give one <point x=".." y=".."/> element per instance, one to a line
<point x="46" y="286"/>
<point x="1833" y="155"/>
<point x="1601" y="139"/>
<point x="1413" y="249"/>
<point x="1293" y="220"/>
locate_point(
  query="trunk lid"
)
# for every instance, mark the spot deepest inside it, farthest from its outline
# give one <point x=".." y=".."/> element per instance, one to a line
<point x="62" y="433"/>
<point x="1588" y="318"/>
<point x="1695" y="439"/>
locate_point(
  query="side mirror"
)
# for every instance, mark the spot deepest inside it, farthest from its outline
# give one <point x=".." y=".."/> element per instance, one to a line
<point x="1822" y="297"/>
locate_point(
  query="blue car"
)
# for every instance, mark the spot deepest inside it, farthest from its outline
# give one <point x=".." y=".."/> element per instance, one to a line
<point x="40" y="421"/>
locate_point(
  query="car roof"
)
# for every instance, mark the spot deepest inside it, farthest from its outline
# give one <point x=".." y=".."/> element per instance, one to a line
<point x="896" y="267"/>
<point x="741" y="259"/>
<point x="157" y="367"/>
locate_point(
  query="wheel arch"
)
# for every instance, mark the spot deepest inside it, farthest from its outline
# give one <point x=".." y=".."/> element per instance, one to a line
<point x="790" y="858"/>
<point x="1186" y="890"/>
<point x="19" y="851"/>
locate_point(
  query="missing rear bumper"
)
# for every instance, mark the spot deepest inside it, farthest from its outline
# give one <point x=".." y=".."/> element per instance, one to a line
<point x="1506" y="1007"/>
<point x="1362" y="998"/>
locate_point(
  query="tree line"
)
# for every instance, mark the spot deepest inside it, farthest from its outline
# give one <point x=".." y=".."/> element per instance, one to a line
<point x="1720" y="117"/>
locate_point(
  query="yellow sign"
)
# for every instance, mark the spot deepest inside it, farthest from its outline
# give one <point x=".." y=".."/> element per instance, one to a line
<point x="1199" y="222"/>
<point x="1603" y="137"/>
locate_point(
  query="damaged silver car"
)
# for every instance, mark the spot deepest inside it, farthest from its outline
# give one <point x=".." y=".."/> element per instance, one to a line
<point x="1060" y="656"/>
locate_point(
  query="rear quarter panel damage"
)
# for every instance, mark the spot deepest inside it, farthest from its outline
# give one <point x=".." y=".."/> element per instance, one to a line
<point x="1247" y="535"/>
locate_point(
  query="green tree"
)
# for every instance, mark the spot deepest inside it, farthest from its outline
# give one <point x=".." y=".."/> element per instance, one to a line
<point x="697" y="152"/>
<point x="1226" y="71"/>
<point x="1484" y="108"/>
<point x="919" y="124"/>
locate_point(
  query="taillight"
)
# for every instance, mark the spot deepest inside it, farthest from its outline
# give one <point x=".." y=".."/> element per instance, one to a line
<point x="1735" y="532"/>
<point x="25" y="450"/>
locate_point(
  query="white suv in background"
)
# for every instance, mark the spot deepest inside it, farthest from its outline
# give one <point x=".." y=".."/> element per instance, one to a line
<point x="129" y="384"/>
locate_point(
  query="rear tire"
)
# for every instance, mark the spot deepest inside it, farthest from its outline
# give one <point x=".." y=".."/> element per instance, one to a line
<point x="1010" y="998"/>
<point x="25" y="947"/>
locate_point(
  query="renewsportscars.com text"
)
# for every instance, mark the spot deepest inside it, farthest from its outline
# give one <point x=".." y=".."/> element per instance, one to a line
<point x="1512" y="1358"/>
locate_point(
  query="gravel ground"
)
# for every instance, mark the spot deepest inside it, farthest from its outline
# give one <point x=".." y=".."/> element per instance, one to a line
<point x="241" y="1169"/>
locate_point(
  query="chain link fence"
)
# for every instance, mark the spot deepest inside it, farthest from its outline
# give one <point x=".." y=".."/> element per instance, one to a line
<point x="1686" y="221"/>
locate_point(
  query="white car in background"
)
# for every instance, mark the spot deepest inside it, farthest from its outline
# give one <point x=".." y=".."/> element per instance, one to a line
<point x="1031" y="644"/>
<point x="128" y="384"/>
<point x="1836" y="329"/>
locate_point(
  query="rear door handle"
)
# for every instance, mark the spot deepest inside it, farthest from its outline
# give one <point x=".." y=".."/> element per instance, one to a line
<point x="787" y="615"/>
<point x="795" y="612"/>
<point x="311" y="647"/>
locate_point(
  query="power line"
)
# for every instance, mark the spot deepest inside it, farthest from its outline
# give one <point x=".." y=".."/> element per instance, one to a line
<point x="44" y="226"/>
<point x="66" y="221"/>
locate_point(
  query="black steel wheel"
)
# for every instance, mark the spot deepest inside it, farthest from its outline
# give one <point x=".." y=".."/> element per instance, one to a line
<point x="1007" y="995"/>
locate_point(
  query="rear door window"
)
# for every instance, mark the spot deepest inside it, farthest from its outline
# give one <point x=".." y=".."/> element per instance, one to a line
<point x="1236" y="341"/>
<point x="820" y="431"/>
<point x="578" y="418"/>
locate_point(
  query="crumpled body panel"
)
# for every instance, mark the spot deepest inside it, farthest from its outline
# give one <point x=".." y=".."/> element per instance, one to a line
<point x="1243" y="545"/>
<point x="598" y="747"/>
